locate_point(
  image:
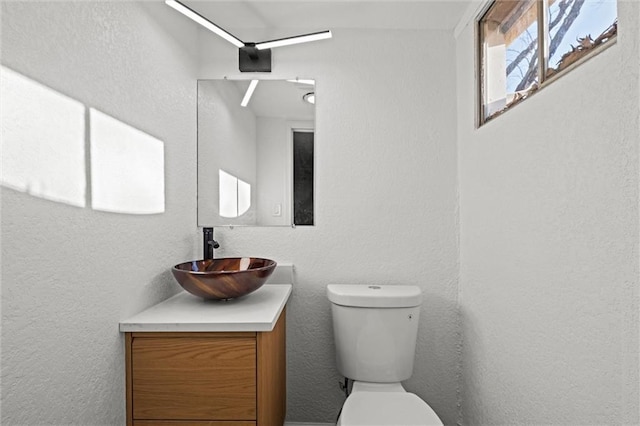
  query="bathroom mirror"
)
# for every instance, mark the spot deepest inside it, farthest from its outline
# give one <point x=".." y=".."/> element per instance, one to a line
<point x="255" y="152"/>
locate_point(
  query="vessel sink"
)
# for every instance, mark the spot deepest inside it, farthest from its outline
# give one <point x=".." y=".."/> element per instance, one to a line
<point x="224" y="278"/>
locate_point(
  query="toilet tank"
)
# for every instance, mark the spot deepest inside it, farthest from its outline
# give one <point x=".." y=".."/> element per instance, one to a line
<point x="375" y="329"/>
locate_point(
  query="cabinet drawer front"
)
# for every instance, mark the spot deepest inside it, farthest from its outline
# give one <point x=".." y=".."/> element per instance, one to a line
<point x="190" y="423"/>
<point x="194" y="378"/>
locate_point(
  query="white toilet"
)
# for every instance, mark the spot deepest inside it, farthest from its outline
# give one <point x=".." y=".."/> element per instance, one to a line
<point x="375" y="330"/>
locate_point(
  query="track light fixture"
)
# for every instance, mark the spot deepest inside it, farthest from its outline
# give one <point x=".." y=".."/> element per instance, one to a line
<point x="252" y="57"/>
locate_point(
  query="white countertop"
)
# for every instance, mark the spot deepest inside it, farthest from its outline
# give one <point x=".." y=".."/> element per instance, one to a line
<point x="185" y="312"/>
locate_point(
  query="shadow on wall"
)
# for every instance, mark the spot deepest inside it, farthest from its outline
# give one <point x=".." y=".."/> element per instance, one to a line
<point x="57" y="148"/>
<point x="438" y="329"/>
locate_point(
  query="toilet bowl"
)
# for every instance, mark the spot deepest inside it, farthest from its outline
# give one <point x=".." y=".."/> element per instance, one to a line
<point x="385" y="405"/>
<point x="375" y="330"/>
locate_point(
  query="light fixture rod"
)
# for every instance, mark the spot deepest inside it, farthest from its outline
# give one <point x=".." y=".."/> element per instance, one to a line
<point x="195" y="16"/>
<point x="294" y="40"/>
<point x="247" y="95"/>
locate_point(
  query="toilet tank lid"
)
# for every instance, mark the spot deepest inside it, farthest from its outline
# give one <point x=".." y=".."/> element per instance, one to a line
<point x="375" y="296"/>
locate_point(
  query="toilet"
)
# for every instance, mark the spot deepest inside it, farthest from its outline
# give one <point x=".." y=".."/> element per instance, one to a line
<point x="375" y="329"/>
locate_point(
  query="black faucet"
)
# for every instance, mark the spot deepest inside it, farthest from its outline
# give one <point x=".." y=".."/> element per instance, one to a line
<point x="209" y="244"/>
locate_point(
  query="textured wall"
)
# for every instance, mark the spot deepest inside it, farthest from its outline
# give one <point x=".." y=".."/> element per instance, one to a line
<point x="549" y="245"/>
<point x="275" y="143"/>
<point x="69" y="274"/>
<point x="386" y="201"/>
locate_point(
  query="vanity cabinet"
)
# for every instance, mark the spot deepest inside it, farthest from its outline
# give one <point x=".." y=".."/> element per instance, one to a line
<point x="206" y="378"/>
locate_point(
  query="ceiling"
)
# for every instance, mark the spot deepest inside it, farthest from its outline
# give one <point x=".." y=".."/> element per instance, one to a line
<point x="246" y="18"/>
<point x="251" y="20"/>
<point x="279" y="99"/>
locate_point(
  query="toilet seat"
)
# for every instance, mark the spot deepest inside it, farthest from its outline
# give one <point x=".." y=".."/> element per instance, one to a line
<point x="387" y="409"/>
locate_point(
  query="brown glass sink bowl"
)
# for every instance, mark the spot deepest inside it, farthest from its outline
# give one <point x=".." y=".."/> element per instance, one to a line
<point x="225" y="278"/>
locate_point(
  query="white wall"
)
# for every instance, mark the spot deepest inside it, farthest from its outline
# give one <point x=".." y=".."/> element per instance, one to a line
<point x="549" y="220"/>
<point x="226" y="140"/>
<point x="275" y="168"/>
<point x="69" y="274"/>
<point x="385" y="201"/>
<point x="549" y="245"/>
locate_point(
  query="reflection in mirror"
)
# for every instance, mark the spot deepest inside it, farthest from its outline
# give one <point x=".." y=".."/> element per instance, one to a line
<point x="235" y="195"/>
<point x="255" y="162"/>
<point x="303" y="177"/>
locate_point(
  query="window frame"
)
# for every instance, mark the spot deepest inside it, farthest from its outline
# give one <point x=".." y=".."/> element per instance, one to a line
<point x="543" y="57"/>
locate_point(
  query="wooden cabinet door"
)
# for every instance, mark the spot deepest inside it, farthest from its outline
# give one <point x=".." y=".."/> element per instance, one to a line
<point x="193" y="378"/>
<point x="272" y="375"/>
<point x="191" y="423"/>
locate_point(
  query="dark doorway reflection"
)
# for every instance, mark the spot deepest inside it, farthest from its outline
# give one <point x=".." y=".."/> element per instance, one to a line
<point x="302" y="178"/>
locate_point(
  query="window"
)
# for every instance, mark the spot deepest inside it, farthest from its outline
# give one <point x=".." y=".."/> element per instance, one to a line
<point x="526" y="44"/>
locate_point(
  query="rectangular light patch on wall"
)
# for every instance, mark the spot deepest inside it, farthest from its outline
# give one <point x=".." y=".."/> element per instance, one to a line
<point x="42" y="141"/>
<point x="127" y="167"/>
